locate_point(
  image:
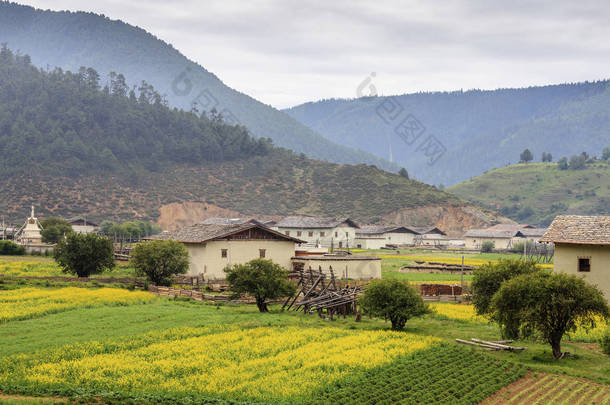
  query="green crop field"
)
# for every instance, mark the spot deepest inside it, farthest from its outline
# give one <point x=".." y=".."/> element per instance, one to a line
<point x="69" y="344"/>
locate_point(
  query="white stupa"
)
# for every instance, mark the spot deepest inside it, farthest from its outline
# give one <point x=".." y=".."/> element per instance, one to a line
<point x="30" y="231"/>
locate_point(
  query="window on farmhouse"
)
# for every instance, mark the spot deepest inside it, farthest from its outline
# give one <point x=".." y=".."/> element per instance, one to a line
<point x="584" y="264"/>
<point x="310" y="233"/>
<point x="347" y="234"/>
<point x="336" y="234"/>
<point x="223" y="252"/>
<point x="322" y="233"/>
<point x="298" y="233"/>
<point x="262" y="252"/>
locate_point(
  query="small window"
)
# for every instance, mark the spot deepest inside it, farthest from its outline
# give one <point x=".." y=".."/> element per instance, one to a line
<point x="347" y="234"/>
<point x="310" y="234"/>
<point x="223" y="253"/>
<point x="262" y="252"/>
<point x="298" y="233"/>
<point x="336" y="234"/>
<point x="322" y="234"/>
<point x="584" y="264"/>
<point x="287" y="233"/>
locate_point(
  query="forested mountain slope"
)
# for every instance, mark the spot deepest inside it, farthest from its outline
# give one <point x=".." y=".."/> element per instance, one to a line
<point x="476" y="130"/>
<point x="536" y="192"/>
<point x="73" y="39"/>
<point x="72" y="147"/>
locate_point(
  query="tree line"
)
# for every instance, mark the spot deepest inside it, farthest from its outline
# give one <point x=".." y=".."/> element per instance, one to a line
<point x="575" y="162"/>
<point x="68" y="123"/>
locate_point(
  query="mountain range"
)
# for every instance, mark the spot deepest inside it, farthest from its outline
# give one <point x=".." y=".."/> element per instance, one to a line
<point x="448" y="137"/>
<point x="73" y="39"/>
<point x="71" y="146"/>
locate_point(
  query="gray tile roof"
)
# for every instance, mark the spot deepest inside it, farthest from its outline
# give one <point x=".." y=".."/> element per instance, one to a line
<point x="381" y="229"/>
<point x="579" y="229"/>
<point x="422" y="230"/>
<point x="305" y="222"/>
<point x="490" y="233"/>
<point x="200" y="233"/>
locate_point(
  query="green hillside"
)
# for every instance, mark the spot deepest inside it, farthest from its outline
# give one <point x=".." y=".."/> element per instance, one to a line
<point x="73" y="39"/>
<point x="535" y="193"/>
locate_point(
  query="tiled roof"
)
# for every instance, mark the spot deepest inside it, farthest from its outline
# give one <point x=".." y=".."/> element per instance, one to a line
<point x="313" y="222"/>
<point x="381" y="229"/>
<point x="490" y="233"/>
<point x="533" y="232"/>
<point x="229" y="221"/>
<point x="579" y="229"/>
<point x="200" y="233"/>
<point x="510" y="227"/>
<point x="422" y="230"/>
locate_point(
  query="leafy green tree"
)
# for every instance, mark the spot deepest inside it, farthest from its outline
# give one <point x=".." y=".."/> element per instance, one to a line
<point x="577" y="162"/>
<point x="403" y="173"/>
<point x="394" y="300"/>
<point x="487" y="279"/>
<point x="159" y="260"/>
<point x="563" y="163"/>
<point x="84" y="254"/>
<point x="488" y="246"/>
<point x="54" y="229"/>
<point x="526" y="156"/>
<point x="549" y="304"/>
<point x="547" y="157"/>
<point x="10" y="248"/>
<point x="260" y="278"/>
<point x="606" y="153"/>
<point x="604" y="342"/>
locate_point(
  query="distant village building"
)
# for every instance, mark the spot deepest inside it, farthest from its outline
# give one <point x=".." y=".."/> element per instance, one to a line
<point x="582" y="247"/>
<point x="430" y="236"/>
<point x="81" y="225"/>
<point x="503" y="236"/>
<point x="213" y="247"/>
<point x="378" y="236"/>
<point x="325" y="232"/>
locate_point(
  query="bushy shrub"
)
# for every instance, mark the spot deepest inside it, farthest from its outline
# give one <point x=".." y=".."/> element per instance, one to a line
<point x="10" y="248"/>
<point x="394" y="300"/>
<point x="159" y="260"/>
<point x="84" y="255"/>
<point x="487" y="246"/>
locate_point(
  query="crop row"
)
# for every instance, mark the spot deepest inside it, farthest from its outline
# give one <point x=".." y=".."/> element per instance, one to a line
<point x="445" y="374"/>
<point x="259" y="364"/>
<point x="29" y="303"/>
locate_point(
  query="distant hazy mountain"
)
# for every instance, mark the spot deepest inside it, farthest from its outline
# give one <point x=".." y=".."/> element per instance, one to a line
<point x="464" y="134"/>
<point x="73" y="39"/>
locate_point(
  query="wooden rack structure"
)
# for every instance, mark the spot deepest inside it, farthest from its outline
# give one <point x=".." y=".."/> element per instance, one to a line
<point x="319" y="293"/>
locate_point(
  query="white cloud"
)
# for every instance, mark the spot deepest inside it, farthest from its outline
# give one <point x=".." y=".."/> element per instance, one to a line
<point x="287" y="52"/>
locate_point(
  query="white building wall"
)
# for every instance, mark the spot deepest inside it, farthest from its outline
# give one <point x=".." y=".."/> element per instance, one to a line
<point x="340" y="236"/>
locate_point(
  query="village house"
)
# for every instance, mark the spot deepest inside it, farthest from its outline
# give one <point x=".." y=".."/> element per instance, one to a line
<point x="378" y="236"/>
<point x="353" y="267"/>
<point x="325" y="232"/>
<point x="213" y="247"/>
<point x="81" y="225"/>
<point x="430" y="236"/>
<point x="503" y="236"/>
<point x="582" y="247"/>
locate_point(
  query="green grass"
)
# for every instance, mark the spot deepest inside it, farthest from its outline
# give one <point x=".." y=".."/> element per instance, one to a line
<point x="542" y="187"/>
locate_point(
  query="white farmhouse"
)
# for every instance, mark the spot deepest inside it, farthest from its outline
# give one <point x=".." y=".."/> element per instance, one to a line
<point x="378" y="236"/>
<point x="213" y="247"/>
<point x="324" y="232"/>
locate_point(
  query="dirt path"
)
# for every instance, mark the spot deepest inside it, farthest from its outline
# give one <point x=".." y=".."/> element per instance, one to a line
<point x="542" y="388"/>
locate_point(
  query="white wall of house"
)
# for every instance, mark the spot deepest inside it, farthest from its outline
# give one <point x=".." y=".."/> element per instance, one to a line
<point x="340" y="236"/>
<point x="389" y="238"/>
<point x="364" y="268"/>
<point x="566" y="261"/>
<point x="207" y="258"/>
<point x="84" y="228"/>
<point x="475" y="243"/>
<point x="370" y="242"/>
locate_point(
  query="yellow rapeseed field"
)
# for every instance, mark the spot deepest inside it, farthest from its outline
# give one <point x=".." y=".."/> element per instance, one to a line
<point x="461" y="312"/>
<point x="15" y="268"/>
<point x="28" y="303"/>
<point x="262" y="363"/>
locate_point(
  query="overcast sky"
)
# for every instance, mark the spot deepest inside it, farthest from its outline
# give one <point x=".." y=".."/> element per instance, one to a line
<point x="288" y="52"/>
